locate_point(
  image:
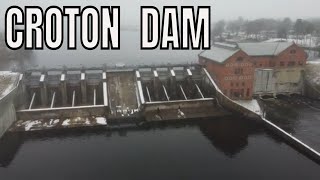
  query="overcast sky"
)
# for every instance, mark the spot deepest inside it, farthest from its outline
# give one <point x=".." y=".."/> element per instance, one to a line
<point x="266" y="8"/>
<point x="221" y="9"/>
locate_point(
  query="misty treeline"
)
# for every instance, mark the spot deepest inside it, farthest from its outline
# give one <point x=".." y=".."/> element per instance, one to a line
<point x="13" y="58"/>
<point x="277" y="28"/>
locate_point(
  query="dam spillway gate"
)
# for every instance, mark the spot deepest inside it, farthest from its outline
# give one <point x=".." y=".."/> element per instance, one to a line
<point x="176" y="92"/>
<point x="96" y="96"/>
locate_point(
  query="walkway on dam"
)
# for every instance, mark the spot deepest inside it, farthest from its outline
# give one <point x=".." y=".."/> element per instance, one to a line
<point x="122" y="92"/>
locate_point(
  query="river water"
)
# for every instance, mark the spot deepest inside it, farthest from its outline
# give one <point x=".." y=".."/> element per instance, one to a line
<point x="221" y="148"/>
<point x="224" y="148"/>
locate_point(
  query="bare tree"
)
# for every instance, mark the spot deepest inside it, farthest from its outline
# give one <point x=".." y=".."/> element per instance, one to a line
<point x="219" y="28"/>
<point x="284" y="27"/>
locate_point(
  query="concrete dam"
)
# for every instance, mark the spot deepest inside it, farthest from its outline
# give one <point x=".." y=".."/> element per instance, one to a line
<point x="55" y="98"/>
<point x="122" y="97"/>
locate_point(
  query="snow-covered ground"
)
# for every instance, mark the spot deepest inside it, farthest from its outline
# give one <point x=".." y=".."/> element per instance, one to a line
<point x="313" y="72"/>
<point x="101" y="120"/>
<point x="7" y="82"/>
<point x="31" y="124"/>
<point x="306" y="41"/>
<point x="66" y="122"/>
<point x="316" y="61"/>
<point x="41" y="124"/>
<point x="52" y="123"/>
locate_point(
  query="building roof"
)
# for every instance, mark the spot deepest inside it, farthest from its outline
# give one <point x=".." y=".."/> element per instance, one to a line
<point x="219" y="53"/>
<point x="264" y="48"/>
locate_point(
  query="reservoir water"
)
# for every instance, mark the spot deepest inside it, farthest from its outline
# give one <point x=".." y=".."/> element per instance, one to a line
<point x="129" y="54"/>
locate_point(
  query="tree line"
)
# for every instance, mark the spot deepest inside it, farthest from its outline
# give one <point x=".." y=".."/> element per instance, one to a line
<point x="282" y="28"/>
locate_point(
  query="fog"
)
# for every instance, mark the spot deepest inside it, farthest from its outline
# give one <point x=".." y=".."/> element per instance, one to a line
<point x="130" y="52"/>
<point x="253" y="9"/>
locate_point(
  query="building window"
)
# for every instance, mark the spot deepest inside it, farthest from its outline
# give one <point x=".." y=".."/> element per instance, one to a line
<point x="281" y="63"/>
<point x="272" y="64"/>
<point x="237" y="84"/>
<point x="248" y="92"/>
<point x="238" y="71"/>
<point x="231" y="84"/>
<point x="243" y="84"/>
<point x="240" y="59"/>
<point x="293" y="51"/>
<point x="291" y="63"/>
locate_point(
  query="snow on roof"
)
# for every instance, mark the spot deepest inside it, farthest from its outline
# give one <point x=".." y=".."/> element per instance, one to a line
<point x="226" y="45"/>
<point x="264" y="48"/>
<point x="219" y="53"/>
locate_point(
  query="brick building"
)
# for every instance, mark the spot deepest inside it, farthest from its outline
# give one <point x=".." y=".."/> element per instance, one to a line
<point x="248" y="69"/>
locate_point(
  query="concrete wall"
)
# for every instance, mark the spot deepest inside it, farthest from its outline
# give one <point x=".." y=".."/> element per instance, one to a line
<point x="64" y="112"/>
<point x="278" y="81"/>
<point x="182" y="104"/>
<point x="7" y="111"/>
<point x="8" y="106"/>
<point x="289" y="80"/>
